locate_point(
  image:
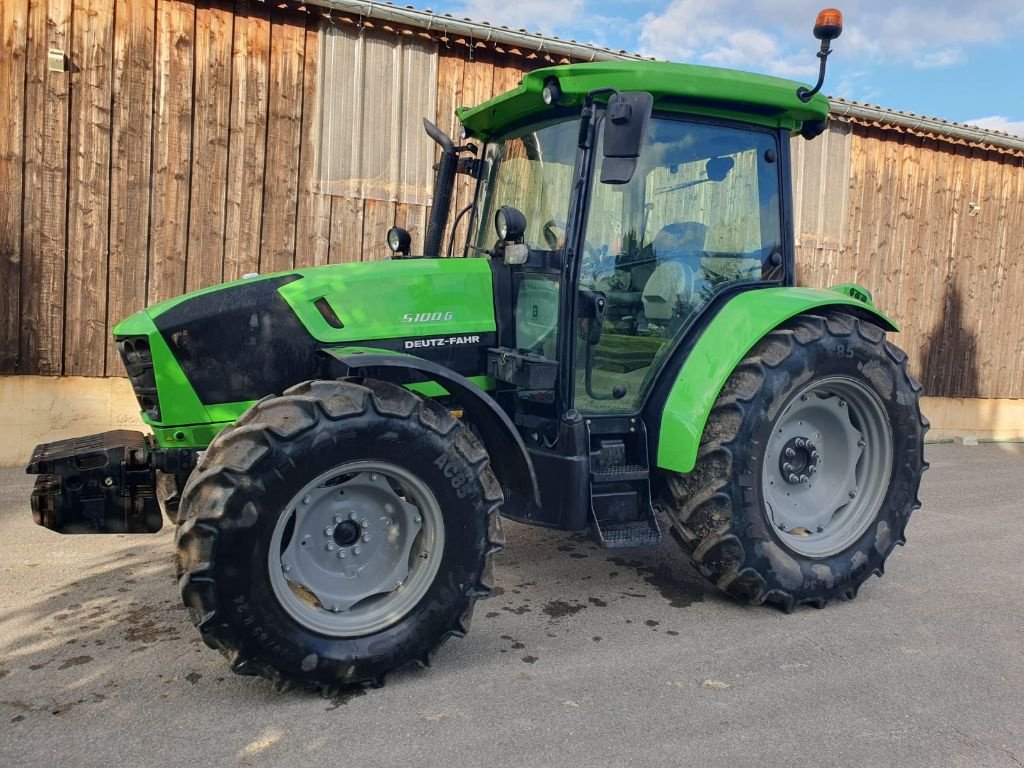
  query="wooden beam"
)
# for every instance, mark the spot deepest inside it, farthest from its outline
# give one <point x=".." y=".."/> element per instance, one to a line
<point x="130" y="166"/>
<point x="44" y="223"/>
<point x="248" y="139"/>
<point x="14" y="37"/>
<point x="284" y="136"/>
<point x="313" y="226"/>
<point x="210" y="131"/>
<point x="172" y="149"/>
<point x="89" y="188"/>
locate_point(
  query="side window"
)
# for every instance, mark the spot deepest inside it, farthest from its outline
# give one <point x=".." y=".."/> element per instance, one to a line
<point x="701" y="213"/>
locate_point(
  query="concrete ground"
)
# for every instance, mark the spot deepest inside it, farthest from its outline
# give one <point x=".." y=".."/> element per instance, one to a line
<point x="588" y="657"/>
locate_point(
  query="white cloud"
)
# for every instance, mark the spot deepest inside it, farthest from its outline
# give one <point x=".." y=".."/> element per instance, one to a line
<point x="999" y="123"/>
<point x="774" y="35"/>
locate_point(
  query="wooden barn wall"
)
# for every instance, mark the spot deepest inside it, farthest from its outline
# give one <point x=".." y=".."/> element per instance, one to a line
<point x="933" y="229"/>
<point x="179" y="151"/>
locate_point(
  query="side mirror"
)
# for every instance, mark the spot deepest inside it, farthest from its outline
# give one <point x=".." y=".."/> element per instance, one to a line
<point x="625" y="129"/>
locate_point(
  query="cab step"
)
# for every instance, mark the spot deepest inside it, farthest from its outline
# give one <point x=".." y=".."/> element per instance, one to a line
<point x="620" y="493"/>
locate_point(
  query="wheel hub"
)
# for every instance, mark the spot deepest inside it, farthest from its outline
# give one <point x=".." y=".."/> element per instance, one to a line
<point x="827" y="465"/>
<point x="352" y="544"/>
<point x="799" y="460"/>
<point x="345" y="533"/>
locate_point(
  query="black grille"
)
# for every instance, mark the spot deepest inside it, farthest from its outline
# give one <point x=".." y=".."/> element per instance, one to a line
<point x="138" y="361"/>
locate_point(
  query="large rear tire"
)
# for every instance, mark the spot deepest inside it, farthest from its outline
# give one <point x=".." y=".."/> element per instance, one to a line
<point x="336" y="533"/>
<point x="809" y="466"/>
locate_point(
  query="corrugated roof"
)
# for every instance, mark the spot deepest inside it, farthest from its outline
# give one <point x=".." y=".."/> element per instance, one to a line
<point x="482" y="32"/>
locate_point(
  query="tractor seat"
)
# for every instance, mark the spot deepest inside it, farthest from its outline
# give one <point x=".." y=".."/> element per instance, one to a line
<point x="678" y="250"/>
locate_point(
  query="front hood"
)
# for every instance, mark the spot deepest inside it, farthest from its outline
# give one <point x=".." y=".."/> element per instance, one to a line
<point x="241" y="341"/>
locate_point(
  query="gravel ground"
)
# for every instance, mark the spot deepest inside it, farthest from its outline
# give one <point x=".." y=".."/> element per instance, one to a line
<point x="586" y="657"/>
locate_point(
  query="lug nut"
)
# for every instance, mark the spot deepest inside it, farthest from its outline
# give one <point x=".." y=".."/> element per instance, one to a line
<point x="342" y="554"/>
<point x="307" y="500"/>
<point x="793" y="478"/>
<point x="801" y="443"/>
<point x="285" y="567"/>
<point x="328" y="530"/>
<point x="356" y="550"/>
<point x="366" y="537"/>
<point x="338" y="518"/>
<point x="330" y="546"/>
<point x="354" y="516"/>
<point x="417" y="519"/>
<point x="853" y="494"/>
<point x="790" y="453"/>
<point x="365" y="523"/>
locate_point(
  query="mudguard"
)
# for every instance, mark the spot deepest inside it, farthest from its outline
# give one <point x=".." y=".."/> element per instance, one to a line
<point x="735" y="330"/>
<point x="510" y="460"/>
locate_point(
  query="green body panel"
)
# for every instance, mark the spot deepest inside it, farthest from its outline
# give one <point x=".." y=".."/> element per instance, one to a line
<point x="179" y="403"/>
<point x="374" y="300"/>
<point x="733" y="332"/>
<point x="372" y="297"/>
<point x="698" y="90"/>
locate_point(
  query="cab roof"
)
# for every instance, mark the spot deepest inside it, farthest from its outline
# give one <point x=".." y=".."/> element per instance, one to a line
<point x="690" y="88"/>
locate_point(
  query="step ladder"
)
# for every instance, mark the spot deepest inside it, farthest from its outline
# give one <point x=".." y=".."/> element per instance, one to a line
<point x="622" y="514"/>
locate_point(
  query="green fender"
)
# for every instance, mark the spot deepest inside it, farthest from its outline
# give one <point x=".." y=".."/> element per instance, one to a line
<point x="734" y="331"/>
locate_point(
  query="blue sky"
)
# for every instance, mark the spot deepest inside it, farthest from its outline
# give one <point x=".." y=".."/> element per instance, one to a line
<point x="958" y="60"/>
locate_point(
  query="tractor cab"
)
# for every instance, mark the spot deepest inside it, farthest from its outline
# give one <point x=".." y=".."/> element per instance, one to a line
<point x="616" y="220"/>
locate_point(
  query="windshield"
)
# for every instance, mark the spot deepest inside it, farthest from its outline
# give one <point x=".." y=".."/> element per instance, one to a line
<point x="700" y="214"/>
<point x="531" y="171"/>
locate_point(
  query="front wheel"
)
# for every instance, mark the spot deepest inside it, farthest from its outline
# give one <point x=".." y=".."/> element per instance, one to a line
<point x="809" y="467"/>
<point x="336" y="533"/>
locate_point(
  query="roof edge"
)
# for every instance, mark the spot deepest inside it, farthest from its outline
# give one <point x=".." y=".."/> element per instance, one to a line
<point x="919" y="124"/>
<point x="478" y="31"/>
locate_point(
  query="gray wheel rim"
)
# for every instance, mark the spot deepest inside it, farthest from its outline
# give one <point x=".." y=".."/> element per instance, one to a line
<point x="827" y="466"/>
<point x="356" y="549"/>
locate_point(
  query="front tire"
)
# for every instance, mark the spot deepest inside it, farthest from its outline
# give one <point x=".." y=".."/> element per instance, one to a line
<point x="809" y="466"/>
<point x="336" y="533"/>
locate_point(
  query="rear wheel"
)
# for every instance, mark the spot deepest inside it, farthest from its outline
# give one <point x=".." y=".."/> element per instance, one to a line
<point x="336" y="533"/>
<point x="809" y="467"/>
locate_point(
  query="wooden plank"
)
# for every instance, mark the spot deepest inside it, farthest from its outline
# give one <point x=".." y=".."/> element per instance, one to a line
<point x="89" y="188"/>
<point x="248" y="137"/>
<point x="346" y="230"/>
<point x="44" y="223"/>
<point x="209" y="146"/>
<point x="172" y="149"/>
<point x="477" y="87"/>
<point x="313" y="225"/>
<point x="131" y="146"/>
<point x="451" y="70"/>
<point x="284" y="136"/>
<point x="14" y="36"/>
<point x="378" y="218"/>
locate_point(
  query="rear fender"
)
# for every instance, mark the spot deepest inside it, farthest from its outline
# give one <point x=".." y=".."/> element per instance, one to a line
<point x="737" y="327"/>
<point x="509" y="458"/>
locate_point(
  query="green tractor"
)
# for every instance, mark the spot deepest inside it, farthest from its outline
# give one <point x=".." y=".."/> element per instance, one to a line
<point x="622" y="349"/>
